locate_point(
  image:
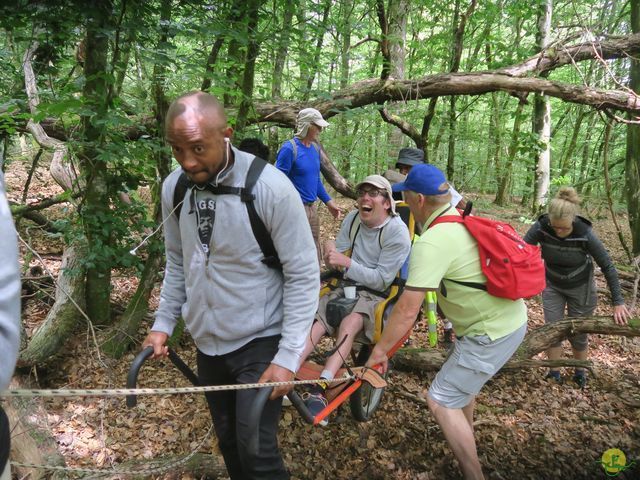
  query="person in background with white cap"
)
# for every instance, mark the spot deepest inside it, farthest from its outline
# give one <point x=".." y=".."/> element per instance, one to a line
<point x="299" y="159"/>
<point x="379" y="243"/>
<point x="9" y="318"/>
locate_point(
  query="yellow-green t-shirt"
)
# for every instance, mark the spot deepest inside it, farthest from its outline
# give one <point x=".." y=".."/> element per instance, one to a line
<point x="448" y="251"/>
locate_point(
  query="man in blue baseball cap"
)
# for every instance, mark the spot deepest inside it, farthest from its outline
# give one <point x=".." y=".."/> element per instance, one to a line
<point x="445" y="258"/>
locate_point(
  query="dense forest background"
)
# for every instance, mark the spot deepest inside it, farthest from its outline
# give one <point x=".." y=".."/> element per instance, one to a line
<point x="512" y="99"/>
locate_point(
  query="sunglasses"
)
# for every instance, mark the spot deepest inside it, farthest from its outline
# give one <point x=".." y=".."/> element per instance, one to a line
<point x="372" y="192"/>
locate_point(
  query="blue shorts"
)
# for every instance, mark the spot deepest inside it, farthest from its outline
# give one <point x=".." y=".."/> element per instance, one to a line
<point x="472" y="363"/>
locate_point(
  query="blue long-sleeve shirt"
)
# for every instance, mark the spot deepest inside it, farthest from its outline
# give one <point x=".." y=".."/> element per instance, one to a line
<point x="305" y="174"/>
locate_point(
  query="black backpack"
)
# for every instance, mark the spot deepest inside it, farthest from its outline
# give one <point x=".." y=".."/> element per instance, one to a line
<point x="245" y="193"/>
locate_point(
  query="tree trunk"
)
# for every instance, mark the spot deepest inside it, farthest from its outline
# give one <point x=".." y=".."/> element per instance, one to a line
<point x="542" y="118"/>
<point x="282" y="49"/>
<point x="118" y="339"/>
<point x="567" y="160"/>
<point x="334" y="178"/>
<point x="633" y="144"/>
<point x="253" y="7"/>
<point x="278" y="69"/>
<point x="61" y="169"/>
<point x="504" y="186"/>
<point x="458" y="37"/>
<point x="451" y="144"/>
<point x="345" y="57"/>
<point x="64" y="316"/>
<point x="426" y="127"/>
<point x="536" y="341"/>
<point x="310" y="60"/>
<point x="540" y="339"/>
<point x="95" y="210"/>
<point x="393" y="28"/>
<point x="581" y="180"/>
<point x="235" y="56"/>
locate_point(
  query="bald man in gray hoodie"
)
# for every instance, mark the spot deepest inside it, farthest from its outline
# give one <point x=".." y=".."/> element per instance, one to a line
<point x="249" y="321"/>
<point x="9" y="317"/>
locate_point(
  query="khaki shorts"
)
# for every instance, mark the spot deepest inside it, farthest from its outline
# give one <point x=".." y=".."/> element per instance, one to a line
<point x="472" y="363"/>
<point x="365" y="306"/>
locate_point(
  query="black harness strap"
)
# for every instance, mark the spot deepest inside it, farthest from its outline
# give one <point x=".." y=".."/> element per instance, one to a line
<point x="182" y="185"/>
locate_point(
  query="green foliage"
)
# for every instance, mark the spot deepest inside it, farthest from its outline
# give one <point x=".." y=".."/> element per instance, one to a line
<point x="358" y="140"/>
<point x="561" y="181"/>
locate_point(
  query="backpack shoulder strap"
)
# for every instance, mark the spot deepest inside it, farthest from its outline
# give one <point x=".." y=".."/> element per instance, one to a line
<point x="456" y="219"/>
<point x="263" y="237"/>
<point x="354" y="228"/>
<point x="447" y="219"/>
<point x="294" y="146"/>
<point x="179" y="192"/>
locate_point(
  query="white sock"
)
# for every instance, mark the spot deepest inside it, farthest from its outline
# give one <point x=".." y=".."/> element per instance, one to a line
<point x="327" y="374"/>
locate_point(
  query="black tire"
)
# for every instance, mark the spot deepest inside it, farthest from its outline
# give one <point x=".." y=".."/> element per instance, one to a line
<point x="365" y="400"/>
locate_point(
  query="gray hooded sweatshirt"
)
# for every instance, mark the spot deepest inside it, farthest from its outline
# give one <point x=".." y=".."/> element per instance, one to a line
<point x="9" y="292"/>
<point x="230" y="297"/>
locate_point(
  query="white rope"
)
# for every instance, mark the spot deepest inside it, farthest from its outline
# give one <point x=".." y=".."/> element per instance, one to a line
<point x="120" y="392"/>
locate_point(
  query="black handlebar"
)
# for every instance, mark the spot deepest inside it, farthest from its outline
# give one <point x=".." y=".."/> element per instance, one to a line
<point x="132" y="376"/>
<point x="255" y="413"/>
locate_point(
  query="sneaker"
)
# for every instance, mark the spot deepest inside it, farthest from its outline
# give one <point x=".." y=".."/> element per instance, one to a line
<point x="580" y="378"/>
<point x="554" y="375"/>
<point x="286" y="402"/>
<point x="448" y="336"/>
<point x="315" y="403"/>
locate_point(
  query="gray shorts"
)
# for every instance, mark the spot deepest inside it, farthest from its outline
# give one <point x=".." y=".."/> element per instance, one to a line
<point x="472" y="363"/>
<point x="578" y="301"/>
<point x="366" y="306"/>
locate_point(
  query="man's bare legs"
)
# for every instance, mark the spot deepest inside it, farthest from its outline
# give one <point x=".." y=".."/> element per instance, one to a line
<point x="457" y="426"/>
<point x="349" y="327"/>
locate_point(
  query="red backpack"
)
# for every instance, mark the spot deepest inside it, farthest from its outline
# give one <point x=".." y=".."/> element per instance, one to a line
<point x="514" y="269"/>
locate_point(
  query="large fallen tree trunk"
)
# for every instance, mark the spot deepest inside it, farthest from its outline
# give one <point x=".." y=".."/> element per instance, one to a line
<point x="537" y="340"/>
<point x="330" y="172"/>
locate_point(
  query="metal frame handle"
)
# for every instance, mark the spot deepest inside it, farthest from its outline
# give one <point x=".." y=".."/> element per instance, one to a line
<point x="134" y="370"/>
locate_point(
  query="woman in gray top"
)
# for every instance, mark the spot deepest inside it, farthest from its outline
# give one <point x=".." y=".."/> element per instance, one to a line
<point x="569" y="248"/>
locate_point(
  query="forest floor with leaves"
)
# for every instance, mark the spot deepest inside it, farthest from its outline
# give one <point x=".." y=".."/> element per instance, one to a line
<point x="525" y="427"/>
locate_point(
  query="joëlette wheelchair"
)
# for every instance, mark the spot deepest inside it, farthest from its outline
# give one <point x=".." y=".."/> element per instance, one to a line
<point x="366" y="389"/>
